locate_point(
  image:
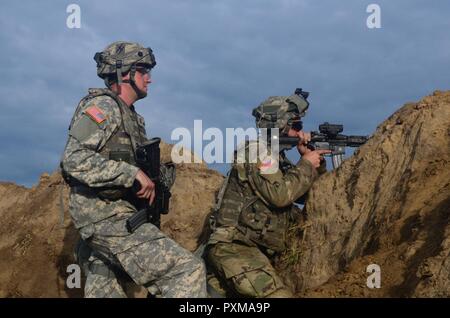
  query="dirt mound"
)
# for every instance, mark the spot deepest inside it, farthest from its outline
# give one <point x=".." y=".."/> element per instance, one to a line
<point x="36" y="247"/>
<point x="388" y="205"/>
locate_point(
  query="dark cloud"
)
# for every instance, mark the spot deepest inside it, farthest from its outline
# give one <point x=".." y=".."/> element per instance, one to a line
<point x="216" y="61"/>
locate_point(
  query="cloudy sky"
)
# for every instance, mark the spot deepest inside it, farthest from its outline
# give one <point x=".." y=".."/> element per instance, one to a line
<point x="216" y="61"/>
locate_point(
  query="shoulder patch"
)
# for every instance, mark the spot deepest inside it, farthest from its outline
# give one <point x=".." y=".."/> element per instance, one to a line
<point x="268" y="166"/>
<point x="95" y="114"/>
<point x="84" y="128"/>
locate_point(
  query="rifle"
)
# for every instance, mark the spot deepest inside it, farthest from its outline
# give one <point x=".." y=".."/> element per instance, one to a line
<point x="148" y="160"/>
<point x="329" y="137"/>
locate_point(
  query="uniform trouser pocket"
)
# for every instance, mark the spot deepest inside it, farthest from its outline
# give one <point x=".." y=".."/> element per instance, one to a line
<point x="151" y="258"/>
<point x="245" y="269"/>
<point x="163" y="263"/>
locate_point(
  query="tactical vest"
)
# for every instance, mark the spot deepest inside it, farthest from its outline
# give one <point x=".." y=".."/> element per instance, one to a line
<point x="243" y="209"/>
<point x="121" y="146"/>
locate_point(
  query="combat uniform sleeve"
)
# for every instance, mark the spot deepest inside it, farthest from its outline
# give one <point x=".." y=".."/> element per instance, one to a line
<point x="89" y="132"/>
<point x="279" y="189"/>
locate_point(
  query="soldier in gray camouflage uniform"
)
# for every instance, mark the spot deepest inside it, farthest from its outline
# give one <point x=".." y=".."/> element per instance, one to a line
<point x="99" y="165"/>
<point x="256" y="205"/>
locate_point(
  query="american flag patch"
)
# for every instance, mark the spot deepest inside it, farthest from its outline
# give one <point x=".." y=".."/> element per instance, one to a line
<point x="266" y="164"/>
<point x="96" y="114"/>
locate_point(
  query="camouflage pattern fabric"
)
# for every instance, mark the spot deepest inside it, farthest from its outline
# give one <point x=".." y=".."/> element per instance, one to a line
<point x="86" y="158"/>
<point x="279" y="111"/>
<point x="257" y="207"/>
<point x="256" y="212"/>
<point x="247" y="271"/>
<point x="104" y="125"/>
<point x="101" y="281"/>
<point x="103" y="284"/>
<point x="128" y="53"/>
<point x="149" y="258"/>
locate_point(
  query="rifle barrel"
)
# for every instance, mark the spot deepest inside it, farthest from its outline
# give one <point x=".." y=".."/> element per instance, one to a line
<point x="291" y="141"/>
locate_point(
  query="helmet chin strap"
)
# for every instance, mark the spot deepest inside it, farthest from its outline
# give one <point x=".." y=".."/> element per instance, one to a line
<point x="140" y="94"/>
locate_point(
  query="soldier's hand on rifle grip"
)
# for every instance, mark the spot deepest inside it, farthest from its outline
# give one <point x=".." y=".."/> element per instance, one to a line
<point x="315" y="157"/>
<point x="147" y="190"/>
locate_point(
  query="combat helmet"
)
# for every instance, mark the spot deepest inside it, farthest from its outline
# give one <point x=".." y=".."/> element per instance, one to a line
<point x="282" y="112"/>
<point x="121" y="57"/>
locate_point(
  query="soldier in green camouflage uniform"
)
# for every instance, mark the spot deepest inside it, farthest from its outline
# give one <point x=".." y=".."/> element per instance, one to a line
<point x="99" y="165"/>
<point x="256" y="205"/>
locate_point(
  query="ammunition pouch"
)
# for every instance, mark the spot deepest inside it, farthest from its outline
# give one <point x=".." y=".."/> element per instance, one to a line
<point x="264" y="227"/>
<point x="113" y="194"/>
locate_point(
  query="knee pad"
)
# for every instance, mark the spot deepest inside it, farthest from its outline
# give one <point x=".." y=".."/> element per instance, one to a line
<point x="261" y="282"/>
